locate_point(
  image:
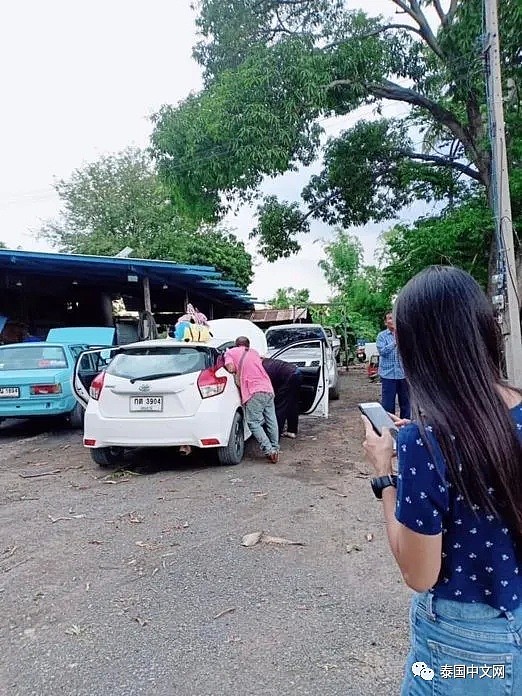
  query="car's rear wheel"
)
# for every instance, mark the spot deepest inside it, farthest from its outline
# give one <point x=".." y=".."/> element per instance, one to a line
<point x="75" y="417"/>
<point x="334" y="393"/>
<point x="107" y="456"/>
<point x="232" y="454"/>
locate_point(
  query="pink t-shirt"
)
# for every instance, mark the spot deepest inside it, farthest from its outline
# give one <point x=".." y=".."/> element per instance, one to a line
<point x="254" y="379"/>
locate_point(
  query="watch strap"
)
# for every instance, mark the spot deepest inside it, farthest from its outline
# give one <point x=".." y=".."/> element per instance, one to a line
<point x="382" y="482"/>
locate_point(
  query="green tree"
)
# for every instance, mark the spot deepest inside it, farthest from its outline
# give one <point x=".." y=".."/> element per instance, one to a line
<point x="287" y="298"/>
<point x="359" y="294"/>
<point x="274" y="68"/>
<point x="459" y="237"/>
<point x="119" y="201"/>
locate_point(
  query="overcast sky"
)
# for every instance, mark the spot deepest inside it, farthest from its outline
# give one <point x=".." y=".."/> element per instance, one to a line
<point x="81" y="79"/>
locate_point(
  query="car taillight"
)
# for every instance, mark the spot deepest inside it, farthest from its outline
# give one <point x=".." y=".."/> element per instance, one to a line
<point x="97" y="386"/>
<point x="209" y="384"/>
<point x="45" y="389"/>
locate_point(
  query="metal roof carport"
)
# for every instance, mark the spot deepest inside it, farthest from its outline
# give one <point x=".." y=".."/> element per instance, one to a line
<point x="47" y="289"/>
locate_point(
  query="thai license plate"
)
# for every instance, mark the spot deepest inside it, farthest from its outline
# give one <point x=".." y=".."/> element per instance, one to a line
<point x="9" y="392"/>
<point x="146" y="403"/>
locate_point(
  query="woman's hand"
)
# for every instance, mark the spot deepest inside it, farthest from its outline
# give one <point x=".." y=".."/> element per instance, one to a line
<point x="399" y="422"/>
<point x="378" y="448"/>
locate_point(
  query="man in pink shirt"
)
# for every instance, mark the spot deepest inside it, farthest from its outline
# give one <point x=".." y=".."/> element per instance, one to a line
<point x="257" y="395"/>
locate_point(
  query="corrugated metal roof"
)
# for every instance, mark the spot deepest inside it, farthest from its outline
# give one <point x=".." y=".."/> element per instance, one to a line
<point x="274" y="315"/>
<point x="206" y="280"/>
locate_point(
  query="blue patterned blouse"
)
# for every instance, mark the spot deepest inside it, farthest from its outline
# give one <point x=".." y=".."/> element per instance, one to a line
<point x="479" y="559"/>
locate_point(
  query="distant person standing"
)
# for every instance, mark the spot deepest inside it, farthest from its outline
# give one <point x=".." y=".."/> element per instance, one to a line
<point x="391" y="372"/>
<point x="257" y="395"/>
<point x="286" y="380"/>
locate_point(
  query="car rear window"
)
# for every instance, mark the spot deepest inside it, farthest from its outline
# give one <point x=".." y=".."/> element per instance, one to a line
<point x="31" y="357"/>
<point x="280" y="338"/>
<point x="138" y="362"/>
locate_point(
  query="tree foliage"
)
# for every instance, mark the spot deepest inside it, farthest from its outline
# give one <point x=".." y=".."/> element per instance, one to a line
<point x="459" y="237"/>
<point x="119" y="201"/>
<point x="274" y="68"/>
<point x="288" y="298"/>
<point x="359" y="297"/>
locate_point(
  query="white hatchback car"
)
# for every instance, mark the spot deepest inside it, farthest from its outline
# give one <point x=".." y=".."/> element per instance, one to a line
<point x="168" y="393"/>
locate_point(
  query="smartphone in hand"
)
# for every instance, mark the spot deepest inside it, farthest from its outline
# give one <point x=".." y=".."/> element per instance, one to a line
<point x="379" y="419"/>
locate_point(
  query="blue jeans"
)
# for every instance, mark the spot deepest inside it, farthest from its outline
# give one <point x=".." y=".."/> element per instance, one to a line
<point x="391" y="389"/>
<point x="473" y="649"/>
<point x="260" y="409"/>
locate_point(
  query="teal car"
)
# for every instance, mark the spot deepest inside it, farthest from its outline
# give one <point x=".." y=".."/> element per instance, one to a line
<point x="35" y="377"/>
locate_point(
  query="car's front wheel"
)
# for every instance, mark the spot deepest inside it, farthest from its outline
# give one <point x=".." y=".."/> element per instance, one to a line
<point x="106" y="456"/>
<point x="232" y="454"/>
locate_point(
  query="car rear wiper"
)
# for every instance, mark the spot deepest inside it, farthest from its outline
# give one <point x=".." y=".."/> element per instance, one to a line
<point x="158" y="375"/>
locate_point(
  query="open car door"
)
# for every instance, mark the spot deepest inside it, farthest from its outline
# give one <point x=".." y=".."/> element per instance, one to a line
<point x="89" y="364"/>
<point x="310" y="357"/>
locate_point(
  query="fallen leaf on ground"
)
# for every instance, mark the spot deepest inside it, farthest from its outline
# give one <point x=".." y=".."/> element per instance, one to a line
<point x="281" y="541"/>
<point x="58" y="519"/>
<point x="352" y="547"/>
<point x="147" y="545"/>
<point x="251" y="539"/>
<point x="255" y="537"/>
<point x="328" y="667"/>
<point x="337" y="492"/>
<point x="224" y="612"/>
<point x="75" y="630"/>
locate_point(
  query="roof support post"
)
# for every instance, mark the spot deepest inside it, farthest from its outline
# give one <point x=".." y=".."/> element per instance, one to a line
<point x="146" y="294"/>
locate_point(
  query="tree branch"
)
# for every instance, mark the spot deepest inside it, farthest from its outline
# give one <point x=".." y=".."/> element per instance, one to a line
<point x="440" y="11"/>
<point x="394" y="92"/>
<point x="415" y="12"/>
<point x="444" y="162"/>
<point x="451" y="11"/>
<point x="409" y="27"/>
<point x="321" y="204"/>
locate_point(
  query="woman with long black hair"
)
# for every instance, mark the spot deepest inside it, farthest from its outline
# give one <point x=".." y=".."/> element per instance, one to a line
<point x="454" y="510"/>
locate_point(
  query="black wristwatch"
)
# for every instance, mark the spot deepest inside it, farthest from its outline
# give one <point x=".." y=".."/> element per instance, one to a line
<point x="382" y="482"/>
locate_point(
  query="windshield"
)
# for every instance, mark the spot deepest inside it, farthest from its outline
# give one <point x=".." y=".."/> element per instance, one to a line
<point x="167" y="360"/>
<point x="280" y="338"/>
<point x="29" y="357"/>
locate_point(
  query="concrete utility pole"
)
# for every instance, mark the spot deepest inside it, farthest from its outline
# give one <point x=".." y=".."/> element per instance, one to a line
<point x="506" y="280"/>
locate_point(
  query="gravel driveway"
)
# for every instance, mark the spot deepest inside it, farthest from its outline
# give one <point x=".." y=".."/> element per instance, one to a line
<point x="136" y="582"/>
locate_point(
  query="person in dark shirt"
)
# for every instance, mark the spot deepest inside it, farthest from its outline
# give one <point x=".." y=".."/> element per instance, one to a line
<point x="286" y="380"/>
<point x="453" y="512"/>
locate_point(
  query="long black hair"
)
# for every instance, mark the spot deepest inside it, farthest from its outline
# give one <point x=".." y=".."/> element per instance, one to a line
<point x="449" y="344"/>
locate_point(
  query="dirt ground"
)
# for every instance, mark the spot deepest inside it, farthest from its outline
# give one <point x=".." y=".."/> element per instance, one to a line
<point x="135" y="581"/>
